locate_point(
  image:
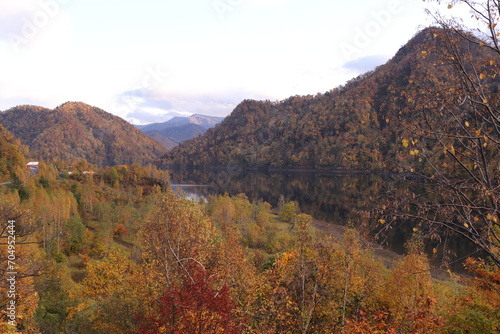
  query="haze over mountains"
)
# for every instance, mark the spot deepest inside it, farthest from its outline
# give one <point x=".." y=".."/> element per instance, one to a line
<point x="179" y="129"/>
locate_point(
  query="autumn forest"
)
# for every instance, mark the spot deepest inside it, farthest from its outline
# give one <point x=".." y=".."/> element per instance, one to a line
<point x="94" y="239"/>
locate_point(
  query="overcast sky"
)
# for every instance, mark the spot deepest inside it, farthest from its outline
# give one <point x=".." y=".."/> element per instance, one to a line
<point x="149" y="60"/>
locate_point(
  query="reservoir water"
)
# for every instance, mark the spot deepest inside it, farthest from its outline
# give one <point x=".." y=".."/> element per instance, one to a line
<point x="333" y="197"/>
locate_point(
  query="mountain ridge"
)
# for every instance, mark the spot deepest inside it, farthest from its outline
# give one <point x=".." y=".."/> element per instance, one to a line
<point x="199" y="119"/>
<point x="75" y="130"/>
<point x="179" y="129"/>
<point x="354" y="126"/>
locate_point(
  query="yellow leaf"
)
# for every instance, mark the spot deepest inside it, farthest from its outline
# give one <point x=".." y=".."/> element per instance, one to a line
<point x="381" y="221"/>
<point x="415" y="229"/>
<point x="466" y="124"/>
<point x="452" y="150"/>
<point x="466" y="225"/>
<point x="481" y="44"/>
<point x="434" y="250"/>
<point x="482" y="76"/>
<point x="450" y="6"/>
<point x="492" y="62"/>
<point x="424" y="53"/>
<point x="435" y="35"/>
<point x="405" y="142"/>
<point x="485" y="101"/>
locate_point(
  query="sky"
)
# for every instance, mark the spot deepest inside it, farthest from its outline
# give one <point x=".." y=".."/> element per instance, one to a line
<point x="149" y="60"/>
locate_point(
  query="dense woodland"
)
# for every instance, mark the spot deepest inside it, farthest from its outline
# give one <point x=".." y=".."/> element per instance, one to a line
<point x="75" y="131"/>
<point x="104" y="245"/>
<point x="117" y="251"/>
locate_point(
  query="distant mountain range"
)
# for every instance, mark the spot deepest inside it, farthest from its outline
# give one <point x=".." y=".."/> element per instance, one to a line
<point x="75" y="131"/>
<point x="179" y="129"/>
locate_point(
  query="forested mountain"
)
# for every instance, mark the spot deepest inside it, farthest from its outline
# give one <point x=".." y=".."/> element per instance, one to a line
<point x="179" y="129"/>
<point x="11" y="155"/>
<point x="76" y="130"/>
<point x="117" y="251"/>
<point x="356" y="126"/>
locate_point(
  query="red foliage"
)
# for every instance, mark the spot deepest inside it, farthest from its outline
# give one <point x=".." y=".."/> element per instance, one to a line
<point x="487" y="277"/>
<point x="194" y="307"/>
<point x="370" y="323"/>
<point x="120" y="230"/>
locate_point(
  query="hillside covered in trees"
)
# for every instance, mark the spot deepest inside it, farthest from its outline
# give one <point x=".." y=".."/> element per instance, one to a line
<point x="11" y="152"/>
<point x="75" y="130"/>
<point x="116" y="251"/>
<point x="359" y="126"/>
<point x="90" y="248"/>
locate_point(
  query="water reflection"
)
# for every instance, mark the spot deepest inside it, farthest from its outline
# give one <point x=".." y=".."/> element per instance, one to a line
<point x="192" y="192"/>
<point x="333" y="197"/>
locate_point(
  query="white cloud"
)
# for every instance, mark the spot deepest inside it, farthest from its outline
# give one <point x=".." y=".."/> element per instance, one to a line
<point x="143" y="106"/>
<point x="35" y="25"/>
<point x="176" y="58"/>
<point x="365" y="64"/>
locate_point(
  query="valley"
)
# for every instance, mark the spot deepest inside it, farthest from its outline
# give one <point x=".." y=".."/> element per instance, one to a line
<point x="270" y="220"/>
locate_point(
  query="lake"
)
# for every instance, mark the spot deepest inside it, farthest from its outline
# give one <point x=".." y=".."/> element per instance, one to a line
<point x="334" y="197"/>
